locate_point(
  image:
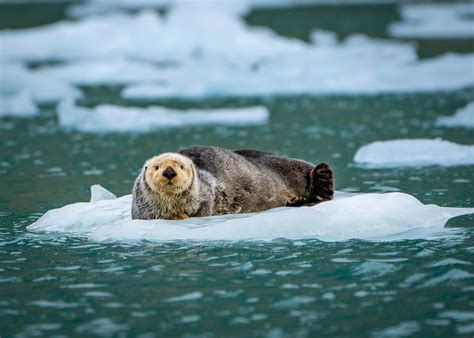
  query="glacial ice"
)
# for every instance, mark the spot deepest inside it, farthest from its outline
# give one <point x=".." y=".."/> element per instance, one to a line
<point x="464" y="117"/>
<point x="94" y="37"/>
<point x="141" y="50"/>
<point x="414" y="153"/>
<point x="111" y="71"/>
<point x="373" y="69"/>
<point x="99" y="193"/>
<point x="110" y="118"/>
<point x="148" y="36"/>
<point x="243" y="6"/>
<point x="380" y="217"/>
<point x="434" y="21"/>
<point x="92" y="7"/>
<point x="19" y="104"/>
<point x="16" y="80"/>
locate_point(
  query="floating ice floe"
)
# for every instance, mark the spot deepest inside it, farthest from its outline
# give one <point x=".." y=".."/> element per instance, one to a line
<point x="148" y="36"/>
<point x="110" y="118"/>
<point x="105" y="6"/>
<point x="414" y="153"/>
<point x="286" y="76"/>
<point x="433" y="21"/>
<point x="95" y="37"/>
<point x="390" y="216"/>
<point x="18" y="105"/>
<point x="21" y="84"/>
<point x="93" y="7"/>
<point x="464" y="117"/>
<point x="141" y="51"/>
<point x="113" y="71"/>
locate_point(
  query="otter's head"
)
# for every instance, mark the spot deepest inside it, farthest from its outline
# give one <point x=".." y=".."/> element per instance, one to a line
<point x="169" y="173"/>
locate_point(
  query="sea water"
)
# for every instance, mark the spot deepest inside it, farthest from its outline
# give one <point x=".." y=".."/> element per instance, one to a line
<point x="306" y="278"/>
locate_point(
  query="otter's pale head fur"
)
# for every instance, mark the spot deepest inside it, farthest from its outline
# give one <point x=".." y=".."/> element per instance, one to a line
<point x="169" y="173"/>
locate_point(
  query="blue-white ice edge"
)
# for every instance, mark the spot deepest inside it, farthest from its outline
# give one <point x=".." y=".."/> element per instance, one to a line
<point x="373" y="217"/>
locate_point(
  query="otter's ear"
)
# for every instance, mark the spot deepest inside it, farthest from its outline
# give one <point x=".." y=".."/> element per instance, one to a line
<point x="145" y="169"/>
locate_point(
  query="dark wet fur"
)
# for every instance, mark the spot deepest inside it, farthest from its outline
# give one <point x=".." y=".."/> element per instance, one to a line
<point x="244" y="181"/>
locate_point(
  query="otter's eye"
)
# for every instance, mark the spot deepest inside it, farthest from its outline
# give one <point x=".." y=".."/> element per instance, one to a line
<point x="157" y="167"/>
<point x="182" y="167"/>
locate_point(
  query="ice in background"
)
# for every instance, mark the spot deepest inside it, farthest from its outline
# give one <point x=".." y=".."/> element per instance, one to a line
<point x="110" y="118"/>
<point x="414" y="153"/>
<point x="464" y="118"/>
<point x="200" y="50"/>
<point x="380" y="90"/>
<point x="431" y="21"/>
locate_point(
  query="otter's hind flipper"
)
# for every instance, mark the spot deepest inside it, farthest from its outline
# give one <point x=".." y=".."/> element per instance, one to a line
<point x="321" y="183"/>
<point x="297" y="201"/>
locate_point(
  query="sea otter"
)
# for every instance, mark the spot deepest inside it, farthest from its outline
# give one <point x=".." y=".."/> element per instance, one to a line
<point x="206" y="181"/>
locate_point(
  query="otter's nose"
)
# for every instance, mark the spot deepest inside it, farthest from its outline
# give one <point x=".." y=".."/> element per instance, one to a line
<point x="169" y="173"/>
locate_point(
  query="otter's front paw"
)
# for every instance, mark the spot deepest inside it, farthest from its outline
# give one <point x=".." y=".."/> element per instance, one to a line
<point x="297" y="201"/>
<point x="183" y="216"/>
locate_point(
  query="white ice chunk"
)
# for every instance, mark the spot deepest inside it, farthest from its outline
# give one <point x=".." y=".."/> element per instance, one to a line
<point x="116" y="34"/>
<point x="106" y="6"/>
<point x="103" y="72"/>
<point x="397" y="72"/>
<point x="99" y="193"/>
<point x="110" y="118"/>
<point x="414" y="153"/>
<point x="323" y="38"/>
<point x="142" y="51"/>
<point x="90" y="7"/>
<point x="153" y="91"/>
<point x="432" y="21"/>
<point x="243" y="6"/>
<point x="148" y="36"/>
<point x="17" y="80"/>
<point x="464" y="117"/>
<point x="19" y="104"/>
<point x="391" y="216"/>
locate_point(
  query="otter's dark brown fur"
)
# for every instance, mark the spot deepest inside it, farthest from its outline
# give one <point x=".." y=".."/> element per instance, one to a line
<point x="226" y="181"/>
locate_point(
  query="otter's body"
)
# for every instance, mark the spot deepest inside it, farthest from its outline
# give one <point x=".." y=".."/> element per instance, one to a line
<point x="225" y="181"/>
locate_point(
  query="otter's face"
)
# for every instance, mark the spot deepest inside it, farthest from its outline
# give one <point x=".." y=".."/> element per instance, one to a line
<point x="169" y="173"/>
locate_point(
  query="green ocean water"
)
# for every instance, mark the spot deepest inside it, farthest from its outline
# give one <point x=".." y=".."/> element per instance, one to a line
<point x="65" y="286"/>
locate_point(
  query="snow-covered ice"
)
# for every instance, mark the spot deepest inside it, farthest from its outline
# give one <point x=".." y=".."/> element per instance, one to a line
<point x="464" y="117"/>
<point x="390" y="216"/>
<point x="19" y="104"/>
<point x="433" y="21"/>
<point x="110" y="118"/>
<point x="414" y="153"/>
